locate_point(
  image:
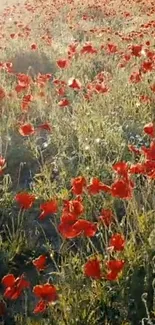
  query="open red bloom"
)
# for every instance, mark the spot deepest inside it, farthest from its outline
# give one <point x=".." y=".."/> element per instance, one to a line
<point x="45" y="126"/>
<point x="27" y="99"/>
<point x="34" y="46"/>
<point x="138" y="168"/>
<point x="25" y="200"/>
<point x="96" y="186"/>
<point x="149" y="152"/>
<point x="62" y="63"/>
<point x="136" y="50"/>
<point x="117" y="241"/>
<point x="115" y="267"/>
<point x="40" y="262"/>
<point x="26" y="129"/>
<point x="112" y="48"/>
<point x="40" y="307"/>
<point x="121" y="168"/>
<point x="74" y="83"/>
<point x="147" y="66"/>
<point x="14" y="286"/>
<point x="88" y="48"/>
<point x="85" y="227"/>
<point x="71" y="50"/>
<point x="93" y="269"/>
<point x="149" y="166"/>
<point x="152" y="87"/>
<point x="48" y="208"/>
<point x="24" y="82"/>
<point x="74" y="207"/>
<point x="145" y="99"/>
<point x="70" y="227"/>
<point x="78" y="185"/>
<point x="2" y="93"/>
<point x="135" y="77"/>
<point x="122" y="189"/>
<point x="2" y="162"/>
<point x="106" y="217"/>
<point x="112" y="275"/>
<point x="46" y="293"/>
<point x="66" y="226"/>
<point x="64" y="102"/>
<point x="134" y="149"/>
<point x="150" y="129"/>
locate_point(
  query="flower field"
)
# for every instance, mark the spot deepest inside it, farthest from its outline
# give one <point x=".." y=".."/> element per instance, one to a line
<point x="77" y="162"/>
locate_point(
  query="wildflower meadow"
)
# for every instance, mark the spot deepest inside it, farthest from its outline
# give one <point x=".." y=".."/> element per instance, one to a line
<point x="77" y="162"/>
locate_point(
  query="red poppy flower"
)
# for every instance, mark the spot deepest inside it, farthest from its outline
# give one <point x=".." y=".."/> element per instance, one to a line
<point x="112" y="275"/>
<point x="117" y="241"/>
<point x="25" y="200"/>
<point x="64" y="102"/>
<point x="2" y="93"/>
<point x="27" y="99"/>
<point x="92" y="269"/>
<point x="45" y="126"/>
<point x="96" y="186"/>
<point x="112" y="48"/>
<point x="85" y="227"/>
<point x="135" y="77"/>
<point x="78" y="185"/>
<point x="150" y="129"/>
<point x="2" y="162"/>
<point x="152" y="87"/>
<point x="149" y="152"/>
<point x="149" y="167"/>
<point x="72" y="50"/>
<point x="48" y="208"/>
<point x="134" y="149"/>
<point x="26" y="129"/>
<point x="61" y="91"/>
<point x="74" y="83"/>
<point x="122" y="189"/>
<point x="147" y="66"/>
<point x="12" y="35"/>
<point x="62" y="63"/>
<point x="74" y="207"/>
<point x="40" y="262"/>
<point x="14" y="286"/>
<point x="40" y="307"/>
<point x="88" y="48"/>
<point x="136" y="50"/>
<point x="137" y="169"/>
<point x="106" y="217"/>
<point x="34" y="47"/>
<point x="121" y="168"/>
<point x="46" y="293"/>
<point x="24" y="82"/>
<point x="115" y="265"/>
<point x="66" y="226"/>
<point x="145" y="99"/>
<point x="100" y="88"/>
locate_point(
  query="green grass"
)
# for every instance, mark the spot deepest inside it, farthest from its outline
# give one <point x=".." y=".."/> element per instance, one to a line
<point x="86" y="139"/>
